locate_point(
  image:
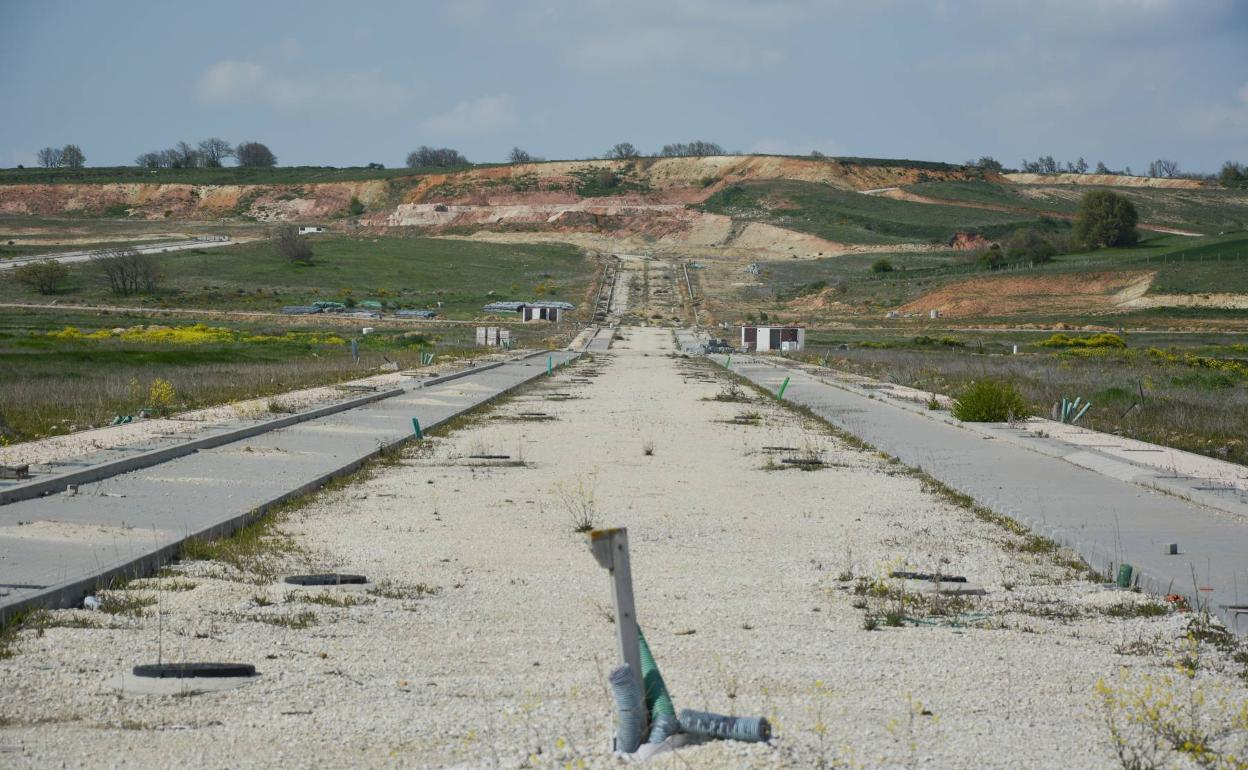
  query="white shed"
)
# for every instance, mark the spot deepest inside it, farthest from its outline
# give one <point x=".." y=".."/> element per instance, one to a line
<point x="545" y="311"/>
<point x="781" y="338"/>
<point x="310" y="229"/>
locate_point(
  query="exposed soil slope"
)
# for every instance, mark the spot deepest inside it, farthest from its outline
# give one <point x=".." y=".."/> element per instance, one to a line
<point x="1105" y="180"/>
<point x="1037" y="294"/>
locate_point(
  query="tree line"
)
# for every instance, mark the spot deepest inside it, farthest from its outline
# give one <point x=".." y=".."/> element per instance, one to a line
<point x="209" y="153"/>
<point x="69" y="156"/>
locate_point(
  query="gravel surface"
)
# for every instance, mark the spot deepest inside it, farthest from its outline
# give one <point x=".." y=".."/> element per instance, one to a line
<point x="486" y="635"/>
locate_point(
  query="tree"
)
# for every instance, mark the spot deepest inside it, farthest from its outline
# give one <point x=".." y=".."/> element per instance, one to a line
<point x="254" y="155"/>
<point x="1081" y="166"/>
<point x="430" y="157"/>
<point x="1163" y="168"/>
<point x="184" y="156"/>
<point x="1105" y="218"/>
<point x="622" y="151"/>
<point x="695" y="149"/>
<point x="518" y="155"/>
<point x="127" y="271"/>
<point x="817" y="154"/>
<point x="292" y="246"/>
<point x="881" y="266"/>
<point x="45" y="276"/>
<point x="49" y="157"/>
<point x="1101" y="168"/>
<point x="1233" y="174"/>
<point x="150" y="160"/>
<point x="355" y="207"/>
<point x="72" y="157"/>
<point x="1027" y="245"/>
<point x="987" y="163"/>
<point x="213" y="150"/>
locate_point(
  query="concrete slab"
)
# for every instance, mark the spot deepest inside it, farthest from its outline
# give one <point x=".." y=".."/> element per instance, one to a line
<point x="1103" y="513"/>
<point x="56" y="548"/>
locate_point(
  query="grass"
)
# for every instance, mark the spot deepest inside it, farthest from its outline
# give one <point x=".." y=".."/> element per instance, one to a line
<point x="845" y="216"/>
<point x="226" y="175"/>
<point x="1185" y="391"/>
<point x="54" y="382"/>
<point x="454" y="277"/>
<point x="1208" y="210"/>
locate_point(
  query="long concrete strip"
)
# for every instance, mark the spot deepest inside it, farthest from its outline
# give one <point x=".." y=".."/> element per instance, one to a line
<point x="206" y="242"/>
<point x="56" y="549"/>
<point x="1108" y="520"/>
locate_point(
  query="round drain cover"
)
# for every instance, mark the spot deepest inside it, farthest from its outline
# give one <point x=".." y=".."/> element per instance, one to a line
<point x="192" y="670"/>
<point x="329" y="579"/>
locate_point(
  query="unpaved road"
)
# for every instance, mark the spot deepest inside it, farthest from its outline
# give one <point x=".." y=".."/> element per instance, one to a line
<point x="490" y="642"/>
<point x="142" y="248"/>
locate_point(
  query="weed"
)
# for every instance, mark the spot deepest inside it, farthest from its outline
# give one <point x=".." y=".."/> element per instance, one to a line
<point x="1137" y="610"/>
<point x="648" y="448"/>
<point x="125" y="603"/>
<point x="990" y="401"/>
<point x="277" y="407"/>
<point x="579" y="502"/>
<point x="299" y="620"/>
<point x="328" y="599"/>
<point x="389" y="590"/>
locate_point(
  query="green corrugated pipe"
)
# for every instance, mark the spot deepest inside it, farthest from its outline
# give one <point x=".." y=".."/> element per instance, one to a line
<point x="657" y="699"/>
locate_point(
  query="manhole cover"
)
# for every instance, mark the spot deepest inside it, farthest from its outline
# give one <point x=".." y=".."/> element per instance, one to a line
<point x="328" y="579"/>
<point x="194" y="670"/>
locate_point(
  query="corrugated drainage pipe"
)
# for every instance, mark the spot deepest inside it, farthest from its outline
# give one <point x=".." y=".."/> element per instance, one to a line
<point x="663" y="727"/>
<point x="657" y="699"/>
<point x="629" y="709"/>
<point x="753" y="729"/>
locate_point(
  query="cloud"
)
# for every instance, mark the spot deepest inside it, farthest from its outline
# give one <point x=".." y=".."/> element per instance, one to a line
<point x="237" y="82"/>
<point x="671" y="49"/>
<point x="486" y="115"/>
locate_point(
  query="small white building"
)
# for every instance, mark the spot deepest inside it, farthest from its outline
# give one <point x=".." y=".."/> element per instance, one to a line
<point x="310" y="229"/>
<point x="545" y="311"/>
<point x="779" y="338"/>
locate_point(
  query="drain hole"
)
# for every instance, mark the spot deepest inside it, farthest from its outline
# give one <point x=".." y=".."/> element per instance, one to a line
<point x="779" y="449"/>
<point x="328" y="579"/>
<point x="194" y="670"/>
<point x="489" y="457"/>
<point x="801" y="461"/>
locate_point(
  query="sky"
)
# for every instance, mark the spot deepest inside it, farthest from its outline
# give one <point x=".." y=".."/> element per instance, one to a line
<point x="349" y="83"/>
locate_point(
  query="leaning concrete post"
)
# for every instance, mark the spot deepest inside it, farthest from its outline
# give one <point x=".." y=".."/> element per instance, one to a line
<point x="610" y="549"/>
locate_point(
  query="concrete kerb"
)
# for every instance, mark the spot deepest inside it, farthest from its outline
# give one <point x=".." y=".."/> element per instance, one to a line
<point x="71" y="592"/>
<point x="61" y="482"/>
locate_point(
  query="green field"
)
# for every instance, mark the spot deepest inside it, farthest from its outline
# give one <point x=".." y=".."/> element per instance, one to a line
<point x="1207" y="210"/>
<point x="1188" y="391"/>
<point x="397" y="271"/>
<point x="852" y="217"/>
<point x="63" y="371"/>
<point x="224" y="175"/>
<point x="1182" y="265"/>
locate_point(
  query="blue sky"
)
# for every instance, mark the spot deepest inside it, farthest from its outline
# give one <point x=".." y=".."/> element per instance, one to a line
<point x="347" y="83"/>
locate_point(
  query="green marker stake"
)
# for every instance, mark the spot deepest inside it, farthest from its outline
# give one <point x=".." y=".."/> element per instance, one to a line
<point x="416" y="428"/>
<point x="728" y="363"/>
<point x="785" y="384"/>
<point x="550" y="364"/>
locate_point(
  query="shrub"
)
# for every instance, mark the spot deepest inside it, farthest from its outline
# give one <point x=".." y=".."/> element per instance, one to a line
<point x="1027" y="245"/>
<point x="881" y="266"/>
<point x="1105" y="340"/>
<point x="1105" y="218"/>
<point x="355" y="207"/>
<point x="160" y="396"/>
<point x="45" y="276"/>
<point x="291" y="245"/>
<point x="990" y="401"/>
<point x="127" y="271"/>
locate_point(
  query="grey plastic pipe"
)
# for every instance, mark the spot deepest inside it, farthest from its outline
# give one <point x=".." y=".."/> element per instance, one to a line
<point x="752" y="729"/>
<point x="663" y="727"/>
<point x="630" y="710"/>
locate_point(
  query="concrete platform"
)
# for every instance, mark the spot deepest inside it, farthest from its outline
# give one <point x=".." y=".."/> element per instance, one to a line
<point x="56" y="548"/>
<point x="1092" y="503"/>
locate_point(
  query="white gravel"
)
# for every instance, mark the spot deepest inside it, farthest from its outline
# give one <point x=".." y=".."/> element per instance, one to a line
<point x="739" y="580"/>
